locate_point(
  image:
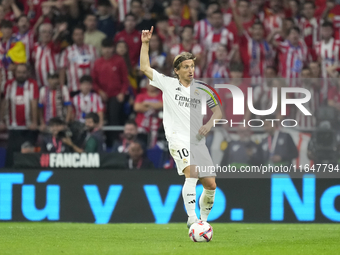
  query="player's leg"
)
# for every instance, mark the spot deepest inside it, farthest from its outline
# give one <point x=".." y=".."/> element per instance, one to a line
<point x="208" y="196"/>
<point x="189" y="193"/>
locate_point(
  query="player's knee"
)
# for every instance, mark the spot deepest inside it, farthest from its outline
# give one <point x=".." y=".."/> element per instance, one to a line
<point x="210" y="185"/>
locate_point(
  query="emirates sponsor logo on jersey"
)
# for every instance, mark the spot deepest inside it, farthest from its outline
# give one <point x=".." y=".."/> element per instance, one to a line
<point x="70" y="160"/>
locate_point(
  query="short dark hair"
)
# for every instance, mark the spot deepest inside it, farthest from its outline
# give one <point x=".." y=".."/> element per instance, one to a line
<point x="94" y="116"/>
<point x="297" y="29"/>
<point x="56" y="121"/>
<point x="309" y="2"/>
<point x="327" y="24"/>
<point x="257" y="22"/>
<point x="104" y="3"/>
<point x="60" y="19"/>
<point x="236" y="67"/>
<point x="86" y="78"/>
<point x="90" y="14"/>
<point x="108" y="43"/>
<point x="22" y="16"/>
<point x="218" y="12"/>
<point x="80" y="27"/>
<point x="162" y="18"/>
<point x="6" y="24"/>
<point x="131" y="15"/>
<point x="52" y="76"/>
<point x="138" y="1"/>
<point x="213" y="3"/>
<point x="131" y="122"/>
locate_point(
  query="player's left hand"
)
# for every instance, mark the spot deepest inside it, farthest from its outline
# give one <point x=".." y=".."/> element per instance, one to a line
<point x="204" y="130"/>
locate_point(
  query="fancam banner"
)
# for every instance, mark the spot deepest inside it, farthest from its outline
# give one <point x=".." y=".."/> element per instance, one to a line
<point x="103" y="196"/>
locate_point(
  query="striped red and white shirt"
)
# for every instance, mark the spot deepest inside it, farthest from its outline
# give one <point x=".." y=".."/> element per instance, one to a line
<point x="310" y="31"/>
<point x="216" y="70"/>
<point x="291" y="60"/>
<point x="123" y="9"/>
<point x="53" y="101"/>
<point x="212" y="40"/>
<point x="6" y="74"/>
<point x="328" y="53"/>
<point x="202" y="28"/>
<point x="78" y="61"/>
<point x="271" y="22"/>
<point x="19" y="98"/>
<point x="45" y="59"/>
<point x="256" y="56"/>
<point x="28" y="40"/>
<point x="84" y="104"/>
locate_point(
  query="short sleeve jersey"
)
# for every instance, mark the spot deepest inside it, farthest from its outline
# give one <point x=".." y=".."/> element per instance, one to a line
<point x="182" y="108"/>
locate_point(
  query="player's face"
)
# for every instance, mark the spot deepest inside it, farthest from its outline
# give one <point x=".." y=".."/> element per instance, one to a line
<point x="326" y="32"/>
<point x="308" y="10"/>
<point x="53" y="83"/>
<point x="85" y="87"/>
<point x="186" y="70"/>
<point x="78" y="36"/>
<point x="257" y="32"/>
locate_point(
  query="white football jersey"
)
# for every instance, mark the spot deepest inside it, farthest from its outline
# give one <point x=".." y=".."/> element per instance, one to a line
<point x="182" y="108"/>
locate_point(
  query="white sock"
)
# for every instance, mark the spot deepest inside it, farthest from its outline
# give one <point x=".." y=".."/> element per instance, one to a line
<point x="206" y="203"/>
<point x="189" y="196"/>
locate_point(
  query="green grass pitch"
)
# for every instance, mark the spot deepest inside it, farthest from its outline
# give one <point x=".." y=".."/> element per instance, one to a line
<point x="229" y="238"/>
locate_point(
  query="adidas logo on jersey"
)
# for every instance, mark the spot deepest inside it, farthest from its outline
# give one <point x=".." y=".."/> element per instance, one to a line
<point x="192" y="201"/>
<point x="179" y="89"/>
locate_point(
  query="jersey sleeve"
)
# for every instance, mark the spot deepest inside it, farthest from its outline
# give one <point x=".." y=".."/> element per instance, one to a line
<point x="212" y="101"/>
<point x="159" y="80"/>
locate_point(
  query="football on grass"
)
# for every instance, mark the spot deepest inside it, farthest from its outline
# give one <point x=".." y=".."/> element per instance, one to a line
<point x="200" y="232"/>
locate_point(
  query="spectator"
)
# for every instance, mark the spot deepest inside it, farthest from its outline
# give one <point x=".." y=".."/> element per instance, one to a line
<point x="188" y="44"/>
<point x="129" y="136"/>
<point x="11" y="10"/>
<point x="176" y="19"/>
<point x="94" y="141"/>
<point x="106" y="21"/>
<point x="157" y="54"/>
<point x="25" y="35"/>
<point x="148" y="105"/>
<point x="137" y="10"/>
<point x="241" y="152"/>
<point x="166" y="33"/>
<point x="87" y="101"/>
<point x="334" y="91"/>
<point x="132" y="37"/>
<point x="203" y="26"/>
<point x="52" y="141"/>
<point x="110" y="77"/>
<point x="123" y="51"/>
<point x="255" y="51"/>
<point x="218" y="35"/>
<point x="153" y="9"/>
<point x="275" y="14"/>
<point x="77" y="60"/>
<point x="7" y="40"/>
<point x="53" y="100"/>
<point x="328" y="49"/>
<point x="292" y="56"/>
<point x="27" y="147"/>
<point x="45" y="55"/>
<point x="137" y="158"/>
<point x="20" y="103"/>
<point x="220" y="67"/>
<point x="93" y="36"/>
<point x="278" y="148"/>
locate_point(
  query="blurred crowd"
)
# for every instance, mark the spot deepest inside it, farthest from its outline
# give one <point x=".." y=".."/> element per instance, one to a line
<point x="62" y="60"/>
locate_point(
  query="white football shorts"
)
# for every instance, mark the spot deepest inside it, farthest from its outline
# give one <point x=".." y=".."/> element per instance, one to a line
<point x="196" y="154"/>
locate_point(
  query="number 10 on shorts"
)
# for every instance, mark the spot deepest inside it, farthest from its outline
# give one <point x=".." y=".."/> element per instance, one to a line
<point x="184" y="152"/>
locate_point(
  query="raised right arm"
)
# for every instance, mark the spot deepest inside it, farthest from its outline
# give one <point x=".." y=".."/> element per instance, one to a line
<point x="144" y="54"/>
